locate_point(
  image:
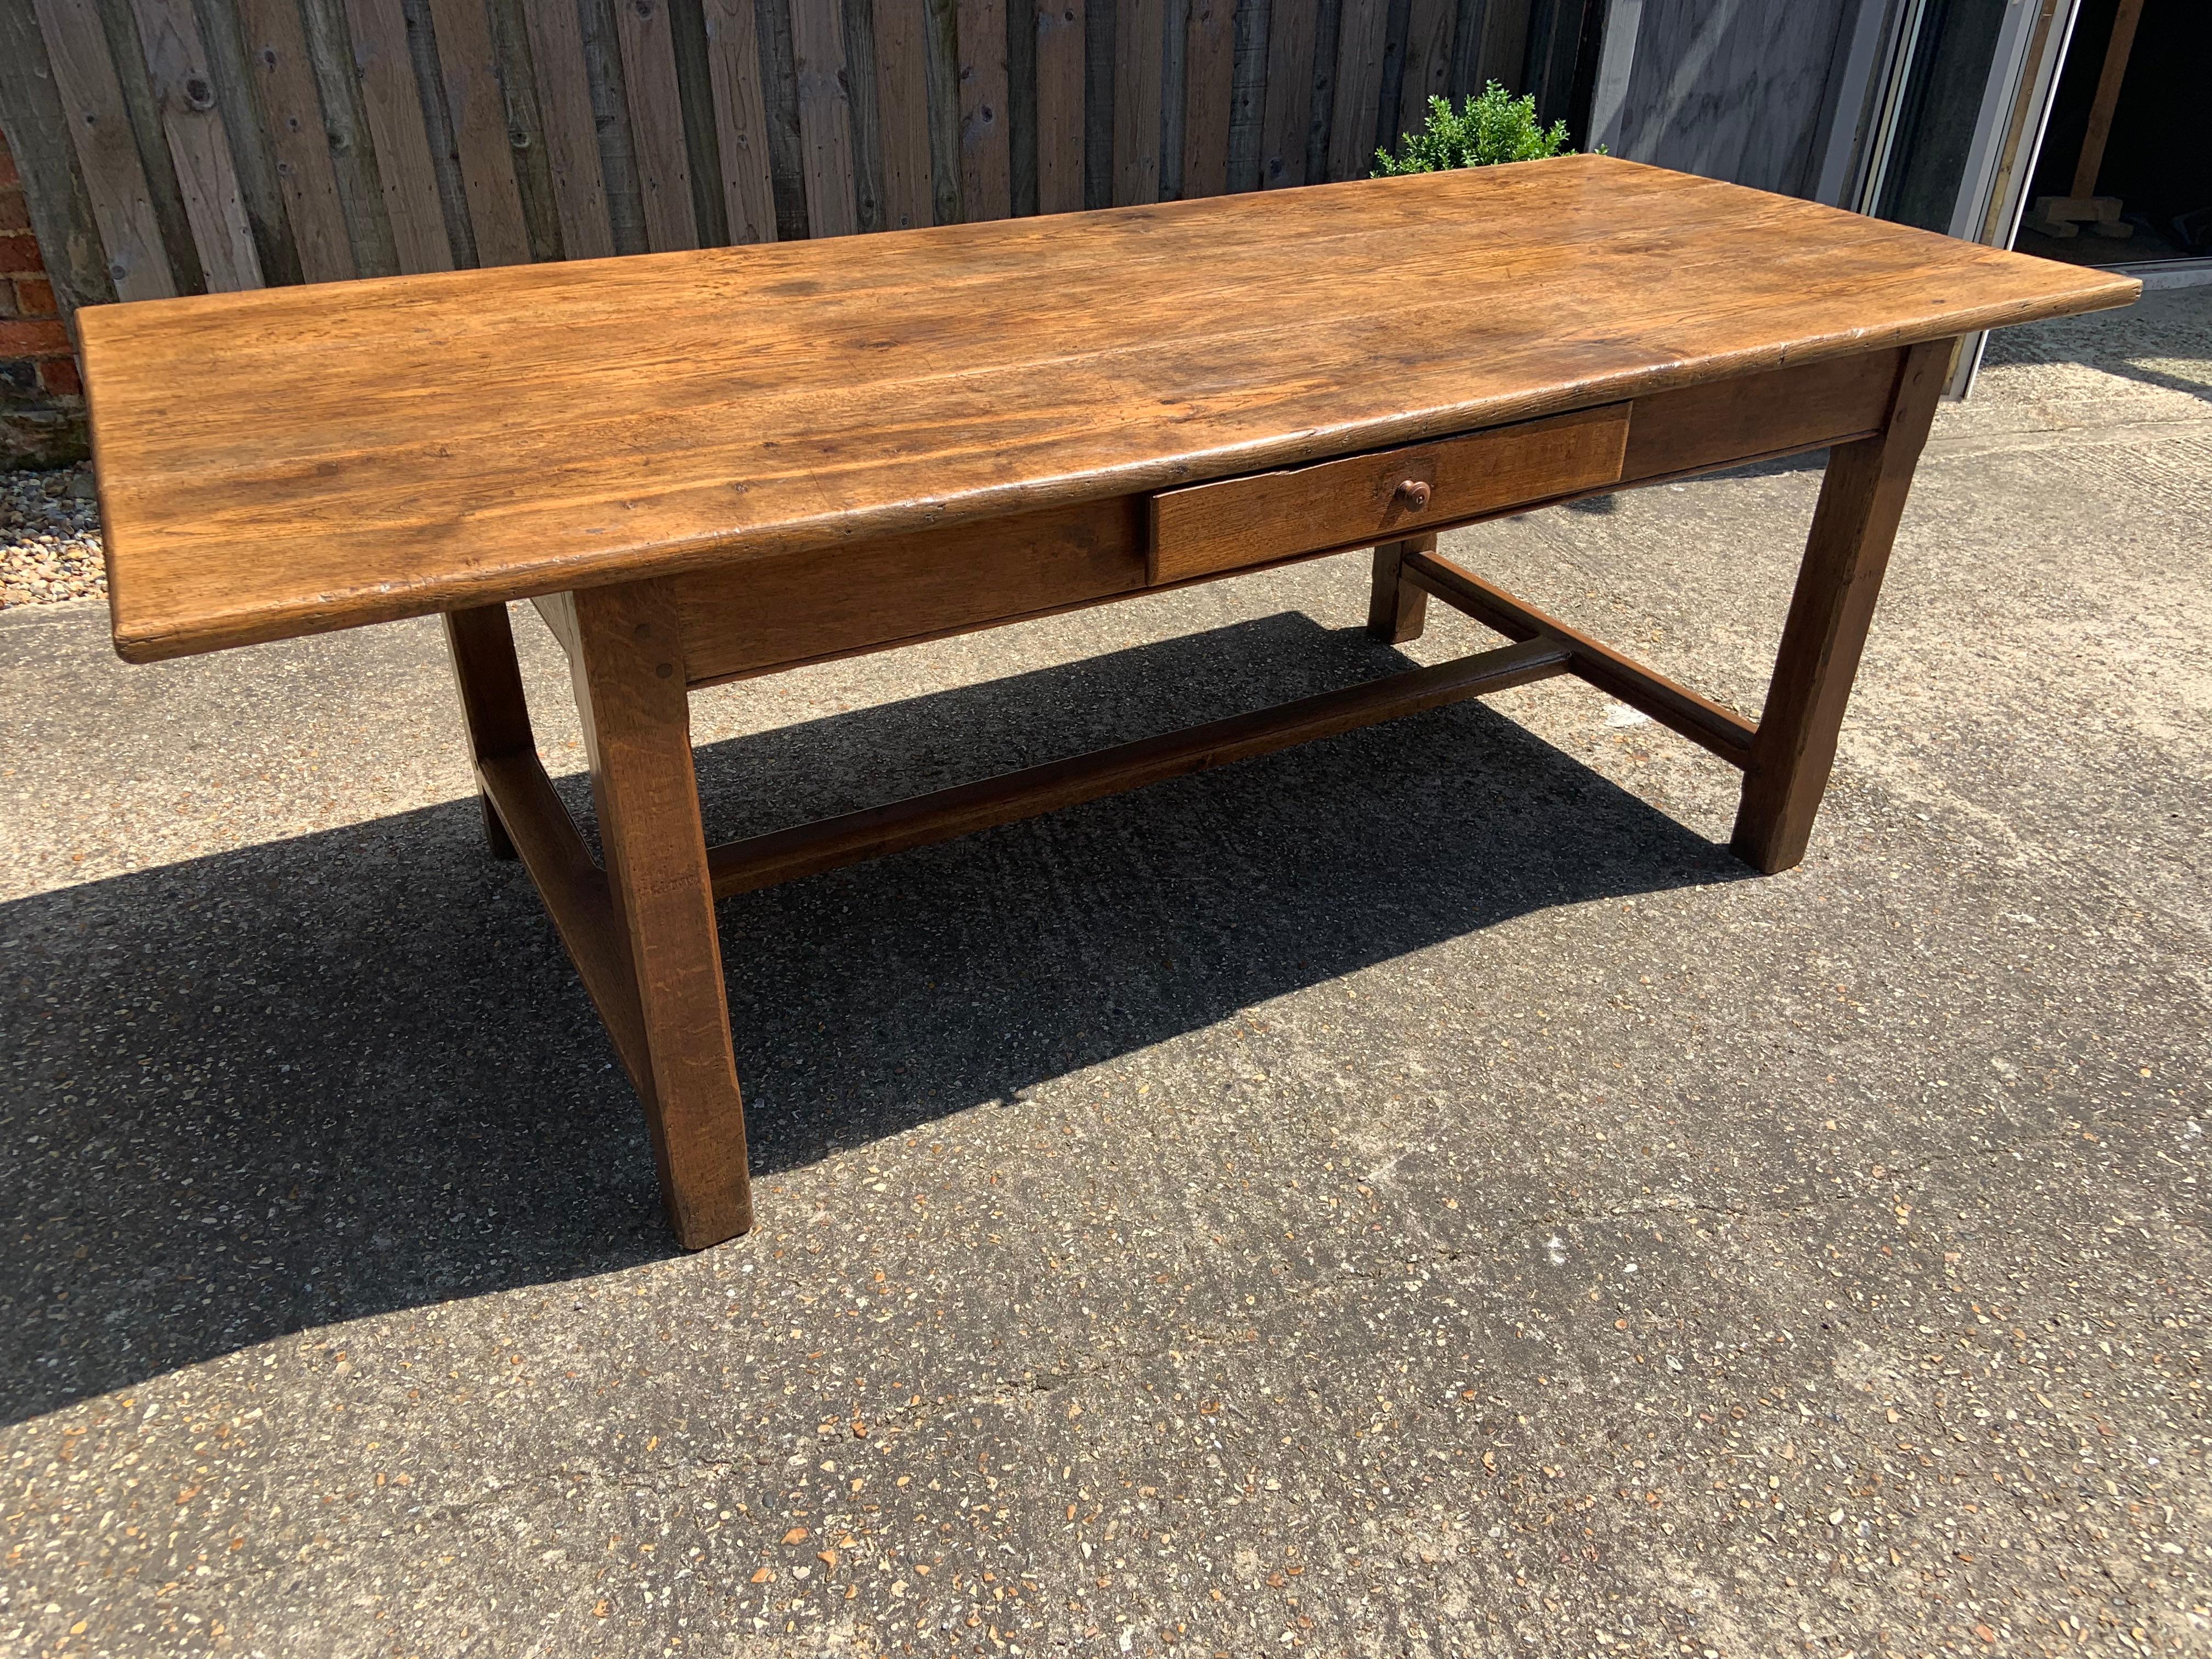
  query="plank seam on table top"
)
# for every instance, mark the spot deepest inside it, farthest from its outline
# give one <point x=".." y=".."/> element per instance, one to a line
<point x="1556" y="372"/>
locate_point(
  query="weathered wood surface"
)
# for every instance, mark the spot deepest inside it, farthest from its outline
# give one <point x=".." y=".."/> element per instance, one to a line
<point x="247" y="143"/>
<point x="1139" y="71"/>
<point x="99" y="122"/>
<point x="663" y="414"/>
<point x="903" y="111"/>
<point x="656" y="114"/>
<point x="572" y="143"/>
<point x="733" y="57"/>
<point x="184" y="92"/>
<point x="986" y="161"/>
<point x="478" y="110"/>
<point x="1059" y="69"/>
<point x="394" y="106"/>
<point x="825" y="121"/>
<point x="275" y="44"/>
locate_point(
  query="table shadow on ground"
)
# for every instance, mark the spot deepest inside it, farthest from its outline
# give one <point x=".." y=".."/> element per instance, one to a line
<point x="350" y="1073"/>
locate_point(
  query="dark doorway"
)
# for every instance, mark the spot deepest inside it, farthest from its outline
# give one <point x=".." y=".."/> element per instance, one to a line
<point x="2156" y="162"/>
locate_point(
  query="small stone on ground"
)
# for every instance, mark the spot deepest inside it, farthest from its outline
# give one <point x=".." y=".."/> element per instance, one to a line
<point x="49" y="538"/>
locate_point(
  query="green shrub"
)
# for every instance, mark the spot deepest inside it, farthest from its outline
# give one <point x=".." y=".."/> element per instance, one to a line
<point x="1482" y="132"/>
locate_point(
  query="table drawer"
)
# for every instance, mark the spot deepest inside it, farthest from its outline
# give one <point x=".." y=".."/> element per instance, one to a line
<point x="1228" y="524"/>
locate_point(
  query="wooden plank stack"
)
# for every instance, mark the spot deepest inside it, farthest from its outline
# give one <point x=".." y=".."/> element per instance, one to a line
<point x="170" y="147"/>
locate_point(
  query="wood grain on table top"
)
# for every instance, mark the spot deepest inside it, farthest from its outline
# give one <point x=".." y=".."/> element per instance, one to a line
<point x="294" y="459"/>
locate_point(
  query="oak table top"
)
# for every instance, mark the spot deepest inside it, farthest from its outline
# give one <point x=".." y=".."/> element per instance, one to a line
<point x="296" y="459"/>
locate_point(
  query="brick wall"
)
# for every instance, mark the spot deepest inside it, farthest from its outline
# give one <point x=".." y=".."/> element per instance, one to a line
<point x="41" y="400"/>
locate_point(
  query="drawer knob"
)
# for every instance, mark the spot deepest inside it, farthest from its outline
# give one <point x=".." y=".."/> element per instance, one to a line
<point x="1414" y="492"/>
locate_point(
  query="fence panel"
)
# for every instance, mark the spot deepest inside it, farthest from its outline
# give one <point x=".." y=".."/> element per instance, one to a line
<point x="366" y="136"/>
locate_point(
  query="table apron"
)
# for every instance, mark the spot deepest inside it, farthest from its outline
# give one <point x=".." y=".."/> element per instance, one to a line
<point x="759" y="615"/>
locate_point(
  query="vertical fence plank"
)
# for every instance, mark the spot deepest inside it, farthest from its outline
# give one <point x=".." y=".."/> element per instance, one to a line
<point x="107" y="155"/>
<point x="859" y="22"/>
<point x="1100" y="25"/>
<point x="1428" y="27"/>
<point x="780" y="98"/>
<point x="695" y="91"/>
<point x="609" y="90"/>
<point x="1322" y="89"/>
<point x="985" y="172"/>
<point x="1247" y="92"/>
<point x="176" y="65"/>
<point x="1138" y="38"/>
<point x="1358" y="88"/>
<point x="825" y="127"/>
<point x="395" y="124"/>
<point x="1059" y="34"/>
<point x="32" y="114"/>
<point x="253" y="155"/>
<point x="438" y="130"/>
<point x="571" y="144"/>
<point x="276" y="59"/>
<point x="1021" y="104"/>
<point x="941" y="60"/>
<point x="469" y="74"/>
<point x="1209" y="64"/>
<point x="1466" y="47"/>
<point x="1555" y="28"/>
<point x="656" y="119"/>
<point x="1175" y="29"/>
<point x="1504" y="46"/>
<point x="902" y="112"/>
<point x="1288" y="107"/>
<point x="740" y="119"/>
<point x="525" y="129"/>
<point x="345" y="124"/>
<point x="125" y="50"/>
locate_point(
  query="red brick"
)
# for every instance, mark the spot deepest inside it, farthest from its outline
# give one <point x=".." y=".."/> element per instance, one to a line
<point x="20" y="255"/>
<point x="14" y="211"/>
<point x="8" y="173"/>
<point x="34" y="297"/>
<point x="58" y="375"/>
<point x="28" y="339"/>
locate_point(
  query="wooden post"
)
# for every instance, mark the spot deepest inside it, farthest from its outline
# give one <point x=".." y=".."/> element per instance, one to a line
<point x="629" y="671"/>
<point x="2091" y="162"/>
<point x="2064" y="215"/>
<point x="1397" y="611"/>
<point x="492" y="705"/>
<point x="1861" y="500"/>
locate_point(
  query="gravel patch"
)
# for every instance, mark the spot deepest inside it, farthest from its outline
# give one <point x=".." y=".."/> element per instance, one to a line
<point x="48" y="538"/>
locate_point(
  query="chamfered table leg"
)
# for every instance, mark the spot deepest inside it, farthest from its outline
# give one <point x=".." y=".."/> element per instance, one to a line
<point x="629" y="670"/>
<point x="1861" y="500"/>
<point x="1397" y="611"/>
<point x="492" y="706"/>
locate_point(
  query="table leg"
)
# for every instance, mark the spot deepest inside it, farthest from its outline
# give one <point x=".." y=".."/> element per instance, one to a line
<point x="1861" y="500"/>
<point x="1397" y="611"/>
<point x="629" y="670"/>
<point x="492" y="706"/>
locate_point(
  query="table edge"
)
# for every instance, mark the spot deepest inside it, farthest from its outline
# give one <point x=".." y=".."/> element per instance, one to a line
<point x="217" y="630"/>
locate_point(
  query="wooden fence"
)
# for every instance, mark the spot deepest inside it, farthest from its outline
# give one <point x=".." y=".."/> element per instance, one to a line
<point x="179" y="146"/>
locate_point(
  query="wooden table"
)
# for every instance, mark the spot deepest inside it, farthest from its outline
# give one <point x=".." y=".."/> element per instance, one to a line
<point x="708" y="465"/>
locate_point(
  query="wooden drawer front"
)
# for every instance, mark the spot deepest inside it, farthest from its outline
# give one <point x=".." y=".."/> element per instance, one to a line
<point x="760" y="614"/>
<point x="1235" y="522"/>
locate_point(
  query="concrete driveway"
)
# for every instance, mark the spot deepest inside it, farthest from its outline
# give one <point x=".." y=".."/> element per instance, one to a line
<point x="1415" y="1194"/>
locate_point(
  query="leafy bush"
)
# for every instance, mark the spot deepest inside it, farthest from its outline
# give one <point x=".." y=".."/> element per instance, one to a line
<point x="1482" y="132"/>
